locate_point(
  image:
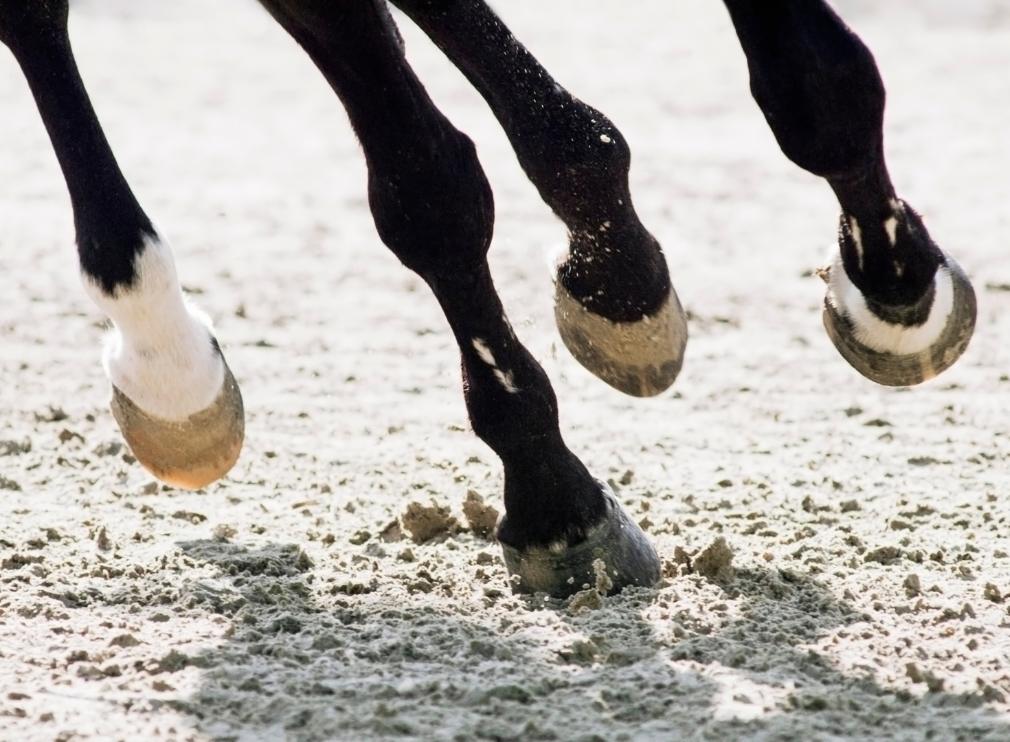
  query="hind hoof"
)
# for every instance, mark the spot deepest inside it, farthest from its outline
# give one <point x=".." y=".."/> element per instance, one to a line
<point x="640" y="358"/>
<point x="190" y="453"/>
<point x="561" y="570"/>
<point x="898" y="355"/>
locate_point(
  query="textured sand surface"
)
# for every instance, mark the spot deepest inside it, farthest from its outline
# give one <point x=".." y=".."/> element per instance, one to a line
<point x="868" y="527"/>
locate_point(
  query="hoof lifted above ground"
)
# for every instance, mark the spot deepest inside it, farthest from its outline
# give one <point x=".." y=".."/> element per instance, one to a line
<point x="640" y="358"/>
<point x="919" y="363"/>
<point x="627" y="556"/>
<point x="190" y="453"/>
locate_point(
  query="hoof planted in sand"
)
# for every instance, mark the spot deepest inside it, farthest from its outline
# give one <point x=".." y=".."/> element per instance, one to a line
<point x="190" y="453"/>
<point x="628" y="558"/>
<point x="641" y="358"/>
<point x="908" y="369"/>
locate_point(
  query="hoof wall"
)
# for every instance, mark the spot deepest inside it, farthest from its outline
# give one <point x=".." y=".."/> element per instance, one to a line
<point x="191" y="453"/>
<point x="627" y="555"/>
<point x="909" y="369"/>
<point x="640" y="358"/>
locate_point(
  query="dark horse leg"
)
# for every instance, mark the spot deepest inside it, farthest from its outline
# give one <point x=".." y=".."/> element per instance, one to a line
<point x="173" y="396"/>
<point x="615" y="307"/>
<point x="897" y="308"/>
<point x="433" y="208"/>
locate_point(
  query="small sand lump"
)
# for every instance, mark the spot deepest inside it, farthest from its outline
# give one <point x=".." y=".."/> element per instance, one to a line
<point x="715" y="561"/>
<point x="481" y="517"/>
<point x="425" y="522"/>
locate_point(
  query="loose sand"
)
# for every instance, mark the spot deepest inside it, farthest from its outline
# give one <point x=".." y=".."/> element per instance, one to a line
<point x="859" y="593"/>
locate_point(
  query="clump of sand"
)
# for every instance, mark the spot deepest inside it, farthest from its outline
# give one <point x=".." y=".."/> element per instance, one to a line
<point x="427" y="522"/>
<point x="481" y="517"/>
<point x="714" y="562"/>
<point x="591" y="598"/>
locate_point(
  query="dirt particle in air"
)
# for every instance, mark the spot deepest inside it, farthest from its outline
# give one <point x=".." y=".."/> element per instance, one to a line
<point x="426" y="522"/>
<point x="603" y="582"/>
<point x="481" y="517"/>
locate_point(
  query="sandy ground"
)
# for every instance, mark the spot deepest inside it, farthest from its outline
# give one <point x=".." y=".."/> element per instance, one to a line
<point x="869" y="526"/>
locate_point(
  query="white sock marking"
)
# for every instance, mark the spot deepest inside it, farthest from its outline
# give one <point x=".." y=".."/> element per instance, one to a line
<point x="882" y="336"/>
<point x="159" y="353"/>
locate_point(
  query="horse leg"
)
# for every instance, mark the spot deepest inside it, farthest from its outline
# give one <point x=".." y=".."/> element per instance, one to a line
<point x="615" y="307"/>
<point x="433" y="208"/>
<point x="174" y="398"/>
<point x="898" y="309"/>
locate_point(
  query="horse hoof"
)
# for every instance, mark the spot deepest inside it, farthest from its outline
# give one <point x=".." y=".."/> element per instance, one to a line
<point x="899" y="354"/>
<point x="641" y="358"/>
<point x="190" y="453"/>
<point x="561" y="570"/>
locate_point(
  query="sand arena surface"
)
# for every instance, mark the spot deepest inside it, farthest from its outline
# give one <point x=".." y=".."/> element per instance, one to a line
<point x="869" y="527"/>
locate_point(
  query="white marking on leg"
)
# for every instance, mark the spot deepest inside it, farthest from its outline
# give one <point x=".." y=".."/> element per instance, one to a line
<point x="891" y="227"/>
<point x="505" y="378"/>
<point x="857" y="240"/>
<point x="882" y="336"/>
<point x="159" y="353"/>
<point x="484" y="352"/>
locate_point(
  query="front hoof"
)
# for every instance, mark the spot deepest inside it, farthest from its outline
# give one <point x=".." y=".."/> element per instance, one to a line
<point x="901" y="354"/>
<point x="641" y="358"/>
<point x="561" y="570"/>
<point x="190" y="453"/>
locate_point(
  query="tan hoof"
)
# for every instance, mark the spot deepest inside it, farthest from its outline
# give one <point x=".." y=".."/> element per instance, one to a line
<point x="640" y="358"/>
<point x="191" y="453"/>
<point x="908" y="369"/>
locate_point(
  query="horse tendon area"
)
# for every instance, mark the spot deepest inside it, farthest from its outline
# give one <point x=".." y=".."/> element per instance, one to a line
<point x="835" y="553"/>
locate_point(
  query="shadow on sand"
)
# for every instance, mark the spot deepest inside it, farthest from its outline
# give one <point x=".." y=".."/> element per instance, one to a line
<point x="301" y="663"/>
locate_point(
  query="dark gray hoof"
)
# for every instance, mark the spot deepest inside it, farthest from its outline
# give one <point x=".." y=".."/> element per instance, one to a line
<point x="560" y="570"/>
<point x="898" y="355"/>
<point x="640" y="358"/>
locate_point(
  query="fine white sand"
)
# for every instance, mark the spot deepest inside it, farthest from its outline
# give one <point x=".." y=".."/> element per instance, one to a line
<point x="869" y="526"/>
